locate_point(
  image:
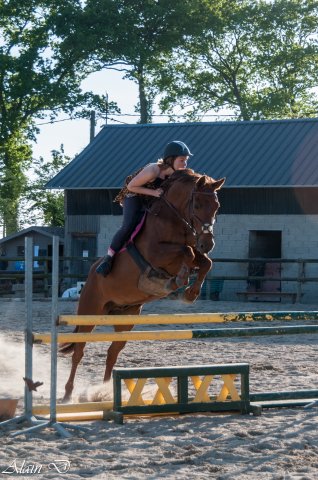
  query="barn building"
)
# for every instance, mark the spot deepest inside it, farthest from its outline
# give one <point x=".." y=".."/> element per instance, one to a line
<point x="269" y="203"/>
<point x="12" y="259"/>
<point x="13" y="245"/>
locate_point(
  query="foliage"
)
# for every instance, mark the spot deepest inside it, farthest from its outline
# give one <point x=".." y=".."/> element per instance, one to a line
<point x="37" y="77"/>
<point x="40" y="205"/>
<point x="134" y="36"/>
<point x="259" y="62"/>
<point x="15" y="157"/>
<point x="255" y="58"/>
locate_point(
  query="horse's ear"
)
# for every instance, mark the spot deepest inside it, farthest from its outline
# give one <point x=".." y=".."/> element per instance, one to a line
<point x="202" y="181"/>
<point x="218" y="183"/>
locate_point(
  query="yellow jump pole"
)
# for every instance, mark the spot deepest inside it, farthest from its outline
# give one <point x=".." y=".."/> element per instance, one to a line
<point x="165" y="319"/>
<point x="84" y="407"/>
<point x="114" y="336"/>
<point x="80" y="416"/>
<point x="73" y="407"/>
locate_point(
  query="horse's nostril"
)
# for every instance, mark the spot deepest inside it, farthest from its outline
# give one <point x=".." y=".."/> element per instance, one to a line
<point x="206" y="246"/>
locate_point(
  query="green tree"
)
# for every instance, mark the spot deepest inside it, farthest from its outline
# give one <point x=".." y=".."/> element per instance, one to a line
<point x="134" y="36"/>
<point x="37" y="78"/>
<point x="15" y="156"/>
<point x="38" y="204"/>
<point x="287" y="58"/>
<point x="259" y="62"/>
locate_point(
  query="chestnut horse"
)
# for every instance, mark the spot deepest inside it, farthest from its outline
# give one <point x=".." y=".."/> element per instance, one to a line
<point x="174" y="240"/>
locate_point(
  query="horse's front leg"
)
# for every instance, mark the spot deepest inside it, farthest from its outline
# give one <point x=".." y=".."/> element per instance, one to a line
<point x="167" y="255"/>
<point x="204" y="264"/>
<point x="116" y="347"/>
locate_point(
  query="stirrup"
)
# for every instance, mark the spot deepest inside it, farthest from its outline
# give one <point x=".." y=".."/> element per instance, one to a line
<point x="104" y="268"/>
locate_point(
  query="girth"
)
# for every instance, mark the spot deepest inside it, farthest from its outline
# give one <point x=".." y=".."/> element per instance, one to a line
<point x="156" y="282"/>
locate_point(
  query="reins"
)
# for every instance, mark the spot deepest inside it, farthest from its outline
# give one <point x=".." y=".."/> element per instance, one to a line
<point x="173" y="208"/>
<point x="206" y="227"/>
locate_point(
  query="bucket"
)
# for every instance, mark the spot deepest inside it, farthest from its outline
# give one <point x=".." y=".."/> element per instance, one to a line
<point x="8" y="407"/>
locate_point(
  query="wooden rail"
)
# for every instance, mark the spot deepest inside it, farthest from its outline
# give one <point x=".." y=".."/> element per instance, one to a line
<point x="69" y="269"/>
<point x="257" y="294"/>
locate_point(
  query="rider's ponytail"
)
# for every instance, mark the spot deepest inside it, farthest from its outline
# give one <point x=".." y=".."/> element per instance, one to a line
<point x="167" y="162"/>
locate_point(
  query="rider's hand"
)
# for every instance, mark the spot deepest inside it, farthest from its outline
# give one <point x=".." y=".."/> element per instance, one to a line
<point x="158" y="192"/>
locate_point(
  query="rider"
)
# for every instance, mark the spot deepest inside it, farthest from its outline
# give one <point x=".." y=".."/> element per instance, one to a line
<point x="133" y="197"/>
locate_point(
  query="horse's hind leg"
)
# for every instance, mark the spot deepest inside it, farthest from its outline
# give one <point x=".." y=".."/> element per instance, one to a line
<point x="76" y="358"/>
<point x="89" y="304"/>
<point x="116" y="347"/>
<point x="78" y="353"/>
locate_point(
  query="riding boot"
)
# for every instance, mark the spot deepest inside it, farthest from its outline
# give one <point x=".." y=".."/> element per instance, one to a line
<point x="105" y="266"/>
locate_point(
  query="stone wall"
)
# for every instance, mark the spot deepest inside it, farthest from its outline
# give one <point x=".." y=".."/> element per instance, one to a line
<point x="299" y="240"/>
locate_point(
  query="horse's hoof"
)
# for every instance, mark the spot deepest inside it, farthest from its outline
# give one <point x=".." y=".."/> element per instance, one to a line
<point x="190" y="296"/>
<point x="66" y="398"/>
<point x="187" y="299"/>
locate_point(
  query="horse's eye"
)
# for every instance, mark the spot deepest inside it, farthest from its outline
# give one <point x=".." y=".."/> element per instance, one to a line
<point x="197" y="205"/>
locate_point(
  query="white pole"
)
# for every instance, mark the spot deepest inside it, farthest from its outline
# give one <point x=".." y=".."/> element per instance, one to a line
<point x="28" y="324"/>
<point x="54" y="318"/>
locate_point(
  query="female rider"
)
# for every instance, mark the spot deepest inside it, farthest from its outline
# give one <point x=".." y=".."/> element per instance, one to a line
<point x="133" y="196"/>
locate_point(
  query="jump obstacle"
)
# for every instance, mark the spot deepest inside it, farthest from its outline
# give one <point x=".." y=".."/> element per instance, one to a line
<point x="228" y="398"/>
<point x="164" y="400"/>
<point x="34" y="423"/>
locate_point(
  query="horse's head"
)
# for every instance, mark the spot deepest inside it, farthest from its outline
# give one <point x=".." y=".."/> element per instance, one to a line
<point x="194" y="200"/>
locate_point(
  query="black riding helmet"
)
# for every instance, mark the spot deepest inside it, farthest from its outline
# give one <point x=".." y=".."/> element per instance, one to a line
<point x="176" y="149"/>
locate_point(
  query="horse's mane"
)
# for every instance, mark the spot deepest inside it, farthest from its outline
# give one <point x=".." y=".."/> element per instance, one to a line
<point x="183" y="176"/>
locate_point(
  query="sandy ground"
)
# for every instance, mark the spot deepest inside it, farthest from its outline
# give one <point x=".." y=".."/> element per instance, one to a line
<point x="279" y="444"/>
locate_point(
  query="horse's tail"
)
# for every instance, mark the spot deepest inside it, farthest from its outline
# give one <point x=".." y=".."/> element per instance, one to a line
<point x="68" y="348"/>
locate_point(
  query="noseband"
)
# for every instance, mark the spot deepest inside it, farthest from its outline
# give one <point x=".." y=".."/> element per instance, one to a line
<point x="205" y="227"/>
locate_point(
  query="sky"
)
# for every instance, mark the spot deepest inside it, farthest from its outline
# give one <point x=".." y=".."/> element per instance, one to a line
<point x="74" y="134"/>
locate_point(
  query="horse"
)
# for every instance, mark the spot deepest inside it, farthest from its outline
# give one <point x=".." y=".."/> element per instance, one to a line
<point x="174" y="241"/>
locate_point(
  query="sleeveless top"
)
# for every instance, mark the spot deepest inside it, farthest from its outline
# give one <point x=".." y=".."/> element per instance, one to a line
<point x="124" y="192"/>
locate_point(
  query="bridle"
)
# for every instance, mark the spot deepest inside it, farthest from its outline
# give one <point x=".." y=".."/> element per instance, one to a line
<point x="205" y="227"/>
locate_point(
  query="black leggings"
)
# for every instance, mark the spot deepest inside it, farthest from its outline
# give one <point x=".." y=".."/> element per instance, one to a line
<point x="133" y="210"/>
